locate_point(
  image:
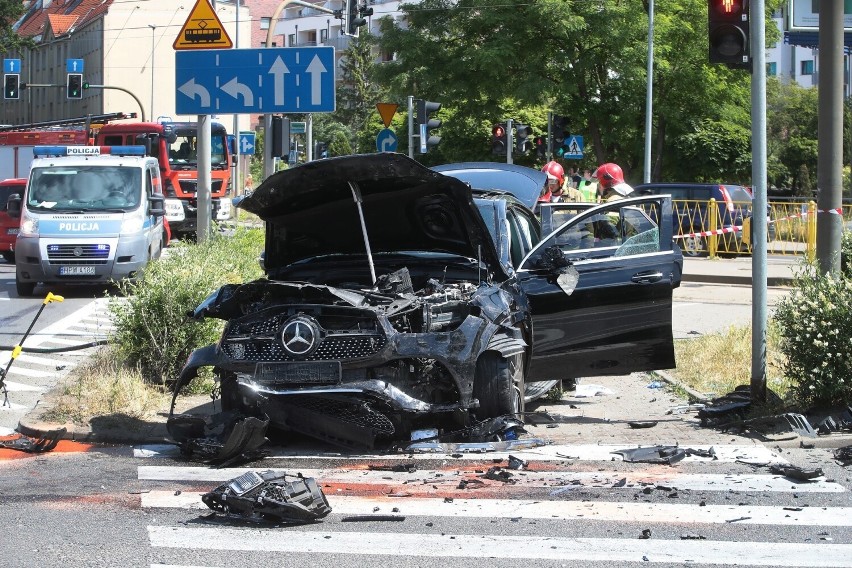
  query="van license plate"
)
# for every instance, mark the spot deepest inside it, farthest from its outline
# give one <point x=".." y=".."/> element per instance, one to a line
<point x="76" y="270"/>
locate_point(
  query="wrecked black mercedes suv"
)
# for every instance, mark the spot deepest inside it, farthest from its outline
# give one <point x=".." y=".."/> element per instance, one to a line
<point x="394" y="300"/>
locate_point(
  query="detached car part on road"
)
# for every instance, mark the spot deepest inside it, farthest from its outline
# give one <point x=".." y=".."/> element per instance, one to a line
<point x="395" y="300"/>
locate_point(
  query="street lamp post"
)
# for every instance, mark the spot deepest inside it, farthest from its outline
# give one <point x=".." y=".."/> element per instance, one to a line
<point x="151" y="110"/>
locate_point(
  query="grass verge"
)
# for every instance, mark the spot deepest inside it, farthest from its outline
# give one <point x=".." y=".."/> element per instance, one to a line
<point x="716" y="364"/>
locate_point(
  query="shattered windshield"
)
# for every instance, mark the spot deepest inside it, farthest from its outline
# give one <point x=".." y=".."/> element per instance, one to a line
<point x="90" y="188"/>
<point x="183" y="152"/>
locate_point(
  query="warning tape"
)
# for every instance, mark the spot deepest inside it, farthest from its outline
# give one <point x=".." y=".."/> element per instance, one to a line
<point x="709" y="233"/>
<point x="805" y="214"/>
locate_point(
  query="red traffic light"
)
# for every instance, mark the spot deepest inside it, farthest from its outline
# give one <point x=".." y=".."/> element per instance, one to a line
<point x="728" y="7"/>
<point x="499" y="131"/>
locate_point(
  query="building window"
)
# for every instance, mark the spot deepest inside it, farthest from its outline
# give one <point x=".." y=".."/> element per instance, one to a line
<point x="291" y="40"/>
<point x="264" y="23"/>
<point x="771" y="69"/>
<point x="808" y="67"/>
<point x="323" y="36"/>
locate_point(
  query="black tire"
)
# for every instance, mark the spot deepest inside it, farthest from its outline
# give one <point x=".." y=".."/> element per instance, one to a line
<point x="693" y="246"/>
<point x="9" y="256"/>
<point x="499" y="384"/>
<point x="25" y="289"/>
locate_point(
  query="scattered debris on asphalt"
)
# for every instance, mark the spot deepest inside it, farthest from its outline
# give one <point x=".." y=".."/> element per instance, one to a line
<point x="642" y="424"/>
<point x="517" y="463"/>
<point x="646" y="533"/>
<point x="795" y="472"/>
<point x="800" y="425"/>
<point x="663" y="454"/>
<point x="691" y="536"/>
<point x="588" y="391"/>
<point x="502" y="433"/>
<point x="844" y="455"/>
<point x="220" y="439"/>
<point x="683" y="409"/>
<point x="499" y="474"/>
<point x="401" y="468"/>
<point x="830" y="424"/>
<point x="44" y="443"/>
<point x="268" y="497"/>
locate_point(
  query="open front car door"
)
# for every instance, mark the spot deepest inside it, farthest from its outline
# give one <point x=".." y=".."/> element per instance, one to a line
<point x="600" y="291"/>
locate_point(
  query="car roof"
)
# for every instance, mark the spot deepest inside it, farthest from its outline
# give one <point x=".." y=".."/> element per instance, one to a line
<point x="522" y="182"/>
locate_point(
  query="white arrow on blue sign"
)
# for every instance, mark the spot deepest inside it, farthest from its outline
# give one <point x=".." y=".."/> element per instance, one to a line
<point x="386" y="140"/>
<point x="234" y="81"/>
<point x="74" y="65"/>
<point x="11" y="66"/>
<point x="246" y="143"/>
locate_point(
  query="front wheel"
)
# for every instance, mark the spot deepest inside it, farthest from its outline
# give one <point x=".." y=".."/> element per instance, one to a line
<point x="693" y="246"/>
<point x="499" y="384"/>
<point x="9" y="256"/>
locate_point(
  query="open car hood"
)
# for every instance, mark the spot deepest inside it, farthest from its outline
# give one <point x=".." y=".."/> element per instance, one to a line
<point x="522" y="182"/>
<point x="310" y="211"/>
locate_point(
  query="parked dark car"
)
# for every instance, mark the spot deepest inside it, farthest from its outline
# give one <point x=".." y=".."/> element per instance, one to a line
<point x="397" y="299"/>
<point x="690" y="206"/>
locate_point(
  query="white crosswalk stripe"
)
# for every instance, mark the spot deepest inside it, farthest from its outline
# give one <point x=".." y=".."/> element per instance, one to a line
<point x="353" y="490"/>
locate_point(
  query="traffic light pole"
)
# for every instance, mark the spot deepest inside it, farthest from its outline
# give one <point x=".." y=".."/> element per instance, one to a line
<point x="510" y="142"/>
<point x="135" y="98"/>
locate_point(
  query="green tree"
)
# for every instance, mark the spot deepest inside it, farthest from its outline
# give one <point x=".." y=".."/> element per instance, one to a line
<point x="585" y="60"/>
<point x="358" y="92"/>
<point x="340" y="145"/>
<point x="10" y="12"/>
<point x="792" y="112"/>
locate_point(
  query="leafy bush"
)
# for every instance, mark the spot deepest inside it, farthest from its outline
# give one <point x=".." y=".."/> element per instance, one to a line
<point x="816" y="324"/>
<point x="153" y="332"/>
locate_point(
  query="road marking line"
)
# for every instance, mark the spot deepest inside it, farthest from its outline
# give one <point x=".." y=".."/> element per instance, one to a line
<point x="555" y="452"/>
<point x="20" y="387"/>
<point x="627" y="512"/>
<point x="17" y="370"/>
<point x="446" y="479"/>
<point x="436" y="544"/>
<point x="38" y="360"/>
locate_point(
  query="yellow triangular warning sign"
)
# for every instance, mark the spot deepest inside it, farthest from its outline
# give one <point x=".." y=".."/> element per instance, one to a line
<point x="202" y="30"/>
<point x="386" y="111"/>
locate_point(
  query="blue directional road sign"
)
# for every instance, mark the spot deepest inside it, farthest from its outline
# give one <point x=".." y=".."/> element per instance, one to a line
<point x="235" y="81"/>
<point x="74" y="65"/>
<point x="386" y="141"/>
<point x="575" y="148"/>
<point x="11" y="66"/>
<point x="247" y="143"/>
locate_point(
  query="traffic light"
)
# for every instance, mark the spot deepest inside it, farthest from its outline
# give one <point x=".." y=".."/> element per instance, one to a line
<point x="427" y="139"/>
<point x="728" y="31"/>
<point x="561" y="135"/>
<point x="74" y="88"/>
<point x="540" y="143"/>
<point x="354" y="17"/>
<point x="280" y="141"/>
<point x="498" y="139"/>
<point x="522" y="138"/>
<point x="320" y="150"/>
<point x="11" y="86"/>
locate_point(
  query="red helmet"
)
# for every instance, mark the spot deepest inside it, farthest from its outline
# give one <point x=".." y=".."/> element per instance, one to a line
<point x="608" y="175"/>
<point x="554" y="169"/>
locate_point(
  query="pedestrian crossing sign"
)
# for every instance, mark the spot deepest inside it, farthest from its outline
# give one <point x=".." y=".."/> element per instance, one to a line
<point x="574" y="148"/>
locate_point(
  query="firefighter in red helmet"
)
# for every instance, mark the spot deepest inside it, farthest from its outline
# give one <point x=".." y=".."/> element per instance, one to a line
<point x="611" y="182"/>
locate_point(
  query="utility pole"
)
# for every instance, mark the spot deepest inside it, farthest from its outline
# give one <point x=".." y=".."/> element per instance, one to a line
<point x="830" y="136"/>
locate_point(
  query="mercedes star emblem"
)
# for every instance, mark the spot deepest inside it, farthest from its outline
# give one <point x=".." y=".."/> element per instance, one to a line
<point x="299" y="337"/>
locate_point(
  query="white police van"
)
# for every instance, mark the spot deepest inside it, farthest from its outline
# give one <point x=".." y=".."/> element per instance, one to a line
<point x="89" y="214"/>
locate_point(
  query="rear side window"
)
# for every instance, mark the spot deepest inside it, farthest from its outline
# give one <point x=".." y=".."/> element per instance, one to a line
<point x="738" y="193"/>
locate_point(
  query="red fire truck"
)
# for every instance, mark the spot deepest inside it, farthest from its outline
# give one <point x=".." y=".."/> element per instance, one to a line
<point x="174" y="145"/>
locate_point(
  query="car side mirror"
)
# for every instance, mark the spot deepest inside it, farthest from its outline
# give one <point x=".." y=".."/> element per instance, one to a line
<point x="156" y="206"/>
<point x="13" y="206"/>
<point x="553" y="259"/>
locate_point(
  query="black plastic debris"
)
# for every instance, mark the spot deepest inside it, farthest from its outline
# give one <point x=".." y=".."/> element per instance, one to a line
<point x="653" y="454"/>
<point x="517" y="463"/>
<point x="844" y="455"/>
<point x="220" y="439"/>
<point x="691" y="536"/>
<point x="832" y="424"/>
<point x="795" y="472"/>
<point x="368" y="518"/>
<point x="709" y="453"/>
<point x="44" y="443"/>
<point x="646" y="533"/>
<point x="726" y="408"/>
<point x="498" y="474"/>
<point x="268" y="497"/>
<point x="636" y="424"/>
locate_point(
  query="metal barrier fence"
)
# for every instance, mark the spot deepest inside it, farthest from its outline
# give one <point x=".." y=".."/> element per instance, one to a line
<point x="711" y="228"/>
